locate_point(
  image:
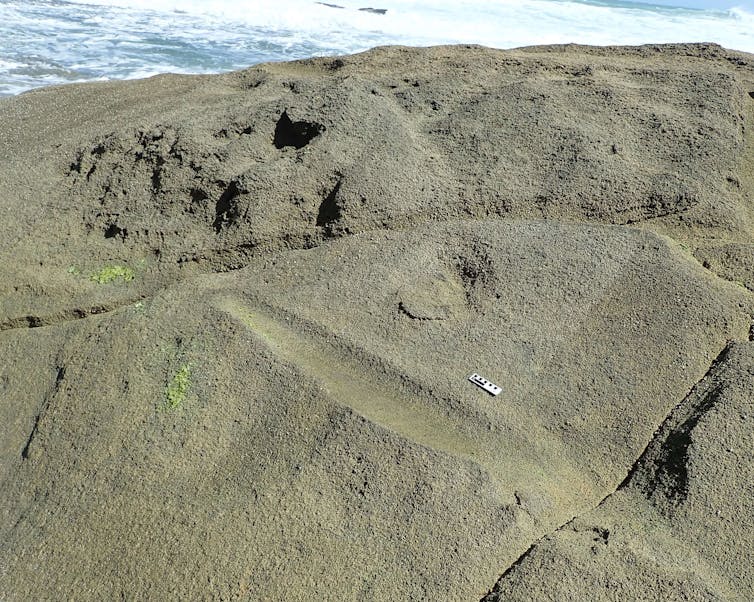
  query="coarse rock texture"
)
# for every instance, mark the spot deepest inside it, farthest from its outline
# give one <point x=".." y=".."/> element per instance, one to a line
<point x="680" y="527"/>
<point x="238" y="313"/>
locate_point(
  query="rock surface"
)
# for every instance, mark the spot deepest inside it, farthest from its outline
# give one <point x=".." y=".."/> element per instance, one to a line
<point x="238" y="313"/>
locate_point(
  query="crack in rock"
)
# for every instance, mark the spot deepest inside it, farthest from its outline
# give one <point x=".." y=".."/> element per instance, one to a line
<point x="669" y="440"/>
<point x="66" y="315"/>
<point x="60" y="375"/>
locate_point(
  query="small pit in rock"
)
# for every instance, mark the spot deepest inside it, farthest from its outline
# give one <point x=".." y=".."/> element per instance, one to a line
<point x="115" y="231"/>
<point x="329" y="211"/>
<point x="224" y="206"/>
<point x="295" y="133"/>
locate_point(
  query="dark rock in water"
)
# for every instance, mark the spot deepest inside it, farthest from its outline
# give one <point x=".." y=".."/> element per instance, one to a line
<point x="376" y="11"/>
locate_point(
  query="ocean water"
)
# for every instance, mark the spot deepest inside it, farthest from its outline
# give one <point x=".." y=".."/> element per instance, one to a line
<point x="45" y="42"/>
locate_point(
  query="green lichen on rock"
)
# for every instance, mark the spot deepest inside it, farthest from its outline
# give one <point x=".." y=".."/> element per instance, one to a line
<point x="177" y="389"/>
<point x="111" y="273"/>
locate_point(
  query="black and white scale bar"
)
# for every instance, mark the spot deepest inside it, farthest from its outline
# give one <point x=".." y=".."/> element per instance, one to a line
<point x="485" y="384"/>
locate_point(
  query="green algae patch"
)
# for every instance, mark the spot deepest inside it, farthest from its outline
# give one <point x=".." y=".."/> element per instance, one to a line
<point x="113" y="273"/>
<point x="177" y="389"/>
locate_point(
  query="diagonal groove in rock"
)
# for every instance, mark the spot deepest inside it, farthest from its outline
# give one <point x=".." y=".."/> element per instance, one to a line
<point x="683" y="414"/>
<point x="490" y="595"/>
<point x="351" y="386"/>
<point x="680" y="414"/>
<point x="66" y="315"/>
<point x="349" y="383"/>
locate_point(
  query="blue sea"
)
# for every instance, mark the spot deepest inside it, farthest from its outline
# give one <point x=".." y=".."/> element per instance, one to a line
<point x="45" y="42"/>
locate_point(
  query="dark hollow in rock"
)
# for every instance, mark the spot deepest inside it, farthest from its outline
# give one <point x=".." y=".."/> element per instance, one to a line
<point x="113" y="231"/>
<point x="329" y="211"/>
<point x="224" y="205"/>
<point x="672" y="472"/>
<point x="295" y="133"/>
<point x="198" y="195"/>
<point x="34" y="321"/>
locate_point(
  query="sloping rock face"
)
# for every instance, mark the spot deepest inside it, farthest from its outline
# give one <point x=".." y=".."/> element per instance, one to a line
<point x="680" y="527"/>
<point x="239" y="313"/>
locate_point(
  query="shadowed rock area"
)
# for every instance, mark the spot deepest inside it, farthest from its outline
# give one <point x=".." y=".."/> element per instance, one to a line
<point x="238" y="314"/>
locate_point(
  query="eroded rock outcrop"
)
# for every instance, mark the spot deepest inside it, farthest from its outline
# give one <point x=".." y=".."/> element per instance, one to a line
<point x="238" y="314"/>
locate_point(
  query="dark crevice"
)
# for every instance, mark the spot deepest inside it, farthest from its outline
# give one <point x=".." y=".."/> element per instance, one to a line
<point x="25" y="450"/>
<point x="641" y="220"/>
<point x="198" y="195"/>
<point x="45" y="404"/>
<point x="30" y="321"/>
<point x="329" y="211"/>
<point x="671" y="466"/>
<point x="419" y="318"/>
<point x="295" y="133"/>
<point x="238" y="256"/>
<point x="67" y="315"/>
<point x="224" y="206"/>
<point x="156" y="180"/>
<point x="491" y="596"/>
<point x="113" y="231"/>
<point x="76" y="164"/>
<point x="659" y="214"/>
<point x="234" y="131"/>
<point x="671" y="439"/>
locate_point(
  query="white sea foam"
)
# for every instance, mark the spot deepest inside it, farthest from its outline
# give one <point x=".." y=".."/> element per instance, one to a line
<point x="54" y="41"/>
<point x="503" y="23"/>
